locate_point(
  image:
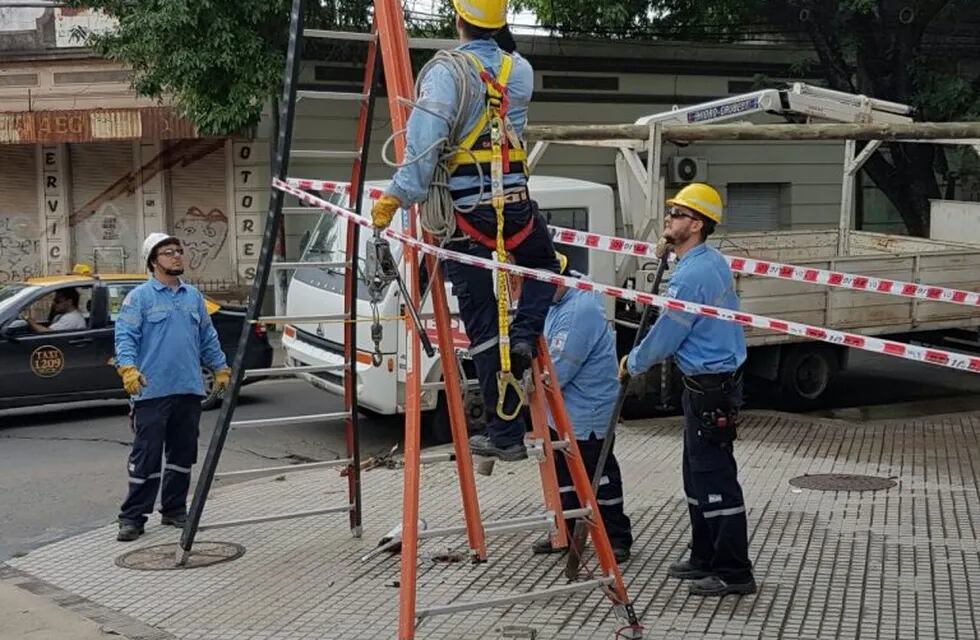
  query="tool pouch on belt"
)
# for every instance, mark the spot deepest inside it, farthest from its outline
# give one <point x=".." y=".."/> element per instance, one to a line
<point x="715" y="407"/>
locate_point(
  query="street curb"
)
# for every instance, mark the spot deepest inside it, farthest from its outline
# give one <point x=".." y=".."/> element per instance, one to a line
<point x="113" y="621"/>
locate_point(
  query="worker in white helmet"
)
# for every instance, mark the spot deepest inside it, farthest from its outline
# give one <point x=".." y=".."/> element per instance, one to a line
<point x="163" y="334"/>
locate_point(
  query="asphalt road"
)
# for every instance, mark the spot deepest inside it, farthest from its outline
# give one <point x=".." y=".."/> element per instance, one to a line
<point x="63" y="468"/>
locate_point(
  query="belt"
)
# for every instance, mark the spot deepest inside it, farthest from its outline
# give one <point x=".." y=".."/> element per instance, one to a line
<point x="511" y="198"/>
<point x="712" y="380"/>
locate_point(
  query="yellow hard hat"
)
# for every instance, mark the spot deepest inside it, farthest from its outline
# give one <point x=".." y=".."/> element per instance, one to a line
<point x="699" y="197"/>
<point x="486" y="14"/>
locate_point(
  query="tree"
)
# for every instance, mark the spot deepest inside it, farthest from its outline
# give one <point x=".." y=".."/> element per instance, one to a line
<point x="901" y="50"/>
<point x="219" y="61"/>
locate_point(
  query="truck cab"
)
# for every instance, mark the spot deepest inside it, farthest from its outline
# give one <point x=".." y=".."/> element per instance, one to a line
<point x="315" y="290"/>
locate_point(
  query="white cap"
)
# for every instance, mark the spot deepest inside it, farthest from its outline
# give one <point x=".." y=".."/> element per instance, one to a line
<point x="152" y="242"/>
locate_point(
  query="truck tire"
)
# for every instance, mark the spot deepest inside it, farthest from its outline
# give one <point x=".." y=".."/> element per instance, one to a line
<point x="212" y="398"/>
<point x="805" y="372"/>
<point x="437" y="421"/>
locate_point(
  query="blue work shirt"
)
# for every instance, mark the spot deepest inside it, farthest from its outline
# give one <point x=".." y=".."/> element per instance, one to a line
<point x="699" y="344"/>
<point x="583" y="352"/>
<point x="437" y="93"/>
<point x="166" y="334"/>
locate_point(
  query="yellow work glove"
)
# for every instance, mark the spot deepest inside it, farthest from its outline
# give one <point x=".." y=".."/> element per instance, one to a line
<point x="384" y="210"/>
<point x="623" y="371"/>
<point x="222" y="377"/>
<point x="133" y="380"/>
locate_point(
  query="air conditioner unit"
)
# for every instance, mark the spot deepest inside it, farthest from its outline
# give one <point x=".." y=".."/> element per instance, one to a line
<point x="684" y="169"/>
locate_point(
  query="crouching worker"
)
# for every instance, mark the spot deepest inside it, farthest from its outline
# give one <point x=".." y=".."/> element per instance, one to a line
<point x="163" y="334"/>
<point x="583" y="352"/>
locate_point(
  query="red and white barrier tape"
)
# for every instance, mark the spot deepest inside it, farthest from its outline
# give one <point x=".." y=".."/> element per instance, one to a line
<point x="748" y="266"/>
<point x="875" y="345"/>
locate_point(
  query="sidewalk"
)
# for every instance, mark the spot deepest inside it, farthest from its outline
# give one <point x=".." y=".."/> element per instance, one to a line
<point x="896" y="563"/>
<point x="25" y="616"/>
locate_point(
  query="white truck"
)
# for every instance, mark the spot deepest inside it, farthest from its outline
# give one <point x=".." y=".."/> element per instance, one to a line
<point x="802" y="368"/>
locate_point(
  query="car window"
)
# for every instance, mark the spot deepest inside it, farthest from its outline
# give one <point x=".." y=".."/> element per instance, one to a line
<point x="42" y="309"/>
<point x="117" y="293"/>
<point x="10" y="290"/>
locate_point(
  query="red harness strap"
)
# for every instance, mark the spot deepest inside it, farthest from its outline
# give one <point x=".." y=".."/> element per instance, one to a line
<point x="491" y="242"/>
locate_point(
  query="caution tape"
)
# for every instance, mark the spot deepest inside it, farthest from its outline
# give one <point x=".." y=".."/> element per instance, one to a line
<point x="939" y="357"/>
<point x="747" y="266"/>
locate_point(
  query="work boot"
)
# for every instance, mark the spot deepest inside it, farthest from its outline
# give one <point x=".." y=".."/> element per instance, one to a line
<point x="481" y="445"/>
<point x="543" y="546"/>
<point x="622" y="554"/>
<point x="715" y="586"/>
<point x="129" y="532"/>
<point x="687" y="570"/>
<point x="521" y="355"/>
<point x="174" y="521"/>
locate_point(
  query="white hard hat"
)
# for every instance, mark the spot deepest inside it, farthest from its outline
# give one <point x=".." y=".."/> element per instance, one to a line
<point x="153" y="241"/>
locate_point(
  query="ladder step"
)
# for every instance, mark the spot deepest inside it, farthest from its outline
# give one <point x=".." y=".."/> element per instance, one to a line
<point x="287" y="468"/>
<point x="325" y="155"/>
<point x="543" y="594"/>
<point x="330" y="95"/>
<point x="470" y="384"/>
<point x="540" y="521"/>
<point x="267" y="422"/>
<point x="273" y="518"/>
<point x="310" y="211"/>
<point x="292" y="371"/>
<point x="339" y="35"/>
<point x="301" y="265"/>
<point x="333" y="317"/>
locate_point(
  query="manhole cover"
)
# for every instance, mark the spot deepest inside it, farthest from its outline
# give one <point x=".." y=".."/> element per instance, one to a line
<point x="842" y="482"/>
<point x="163" y="557"/>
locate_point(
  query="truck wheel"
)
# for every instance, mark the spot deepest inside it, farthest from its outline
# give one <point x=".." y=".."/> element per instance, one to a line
<point x="437" y="420"/>
<point x="211" y="398"/>
<point x="805" y="373"/>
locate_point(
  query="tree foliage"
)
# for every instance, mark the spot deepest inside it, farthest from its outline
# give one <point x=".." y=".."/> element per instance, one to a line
<point x="908" y="51"/>
<point x="219" y="61"/>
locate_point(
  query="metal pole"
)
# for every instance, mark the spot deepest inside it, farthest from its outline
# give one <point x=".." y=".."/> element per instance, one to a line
<point x="846" y="199"/>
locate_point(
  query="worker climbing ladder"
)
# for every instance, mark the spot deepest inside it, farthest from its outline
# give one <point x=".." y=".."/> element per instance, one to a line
<point x="267" y="266"/>
<point x="388" y="49"/>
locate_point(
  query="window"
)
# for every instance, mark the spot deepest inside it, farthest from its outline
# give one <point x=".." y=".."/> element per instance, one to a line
<point x="571" y="218"/>
<point x="43" y="309"/>
<point x="117" y="293"/>
<point x="753" y="207"/>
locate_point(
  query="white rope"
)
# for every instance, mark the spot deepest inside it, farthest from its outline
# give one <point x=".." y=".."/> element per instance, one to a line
<point x="436" y="213"/>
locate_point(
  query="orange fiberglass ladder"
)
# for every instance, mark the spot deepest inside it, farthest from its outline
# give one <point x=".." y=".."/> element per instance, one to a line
<point x="393" y="43"/>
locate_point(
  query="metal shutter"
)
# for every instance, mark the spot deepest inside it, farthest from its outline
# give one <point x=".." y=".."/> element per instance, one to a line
<point x="198" y="216"/>
<point x="20" y="232"/>
<point x="751" y="207"/>
<point x="106" y="230"/>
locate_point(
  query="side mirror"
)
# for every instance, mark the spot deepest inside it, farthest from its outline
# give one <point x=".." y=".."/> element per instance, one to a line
<point x="14" y="328"/>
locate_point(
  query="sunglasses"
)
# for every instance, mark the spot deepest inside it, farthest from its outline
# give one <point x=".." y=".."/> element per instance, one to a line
<point x="670" y="212"/>
<point x="170" y="253"/>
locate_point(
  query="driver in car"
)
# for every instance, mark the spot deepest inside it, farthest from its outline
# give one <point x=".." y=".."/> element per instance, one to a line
<point x="65" y="315"/>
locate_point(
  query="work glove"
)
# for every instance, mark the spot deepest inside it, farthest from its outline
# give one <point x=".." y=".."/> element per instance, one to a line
<point x="623" y="371"/>
<point x="384" y="210"/>
<point x="133" y="380"/>
<point x="222" y="378"/>
<point x="662" y="248"/>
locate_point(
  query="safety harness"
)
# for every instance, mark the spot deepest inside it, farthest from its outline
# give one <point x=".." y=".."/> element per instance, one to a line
<point x="492" y="147"/>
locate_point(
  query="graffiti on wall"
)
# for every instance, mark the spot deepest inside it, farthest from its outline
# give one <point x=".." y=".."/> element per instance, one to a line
<point x="20" y="249"/>
<point x="203" y="236"/>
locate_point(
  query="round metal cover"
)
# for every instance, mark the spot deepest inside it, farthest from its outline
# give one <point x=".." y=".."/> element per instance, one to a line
<point x="842" y="482"/>
<point x="163" y="557"/>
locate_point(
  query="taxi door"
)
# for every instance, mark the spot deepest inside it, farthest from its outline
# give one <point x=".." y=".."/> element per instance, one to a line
<point x="58" y="363"/>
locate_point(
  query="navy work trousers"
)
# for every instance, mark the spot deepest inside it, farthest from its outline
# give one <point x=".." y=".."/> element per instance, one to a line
<point x="609" y="496"/>
<point x="473" y="288"/>
<point x="719" y="530"/>
<point x="163" y="426"/>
